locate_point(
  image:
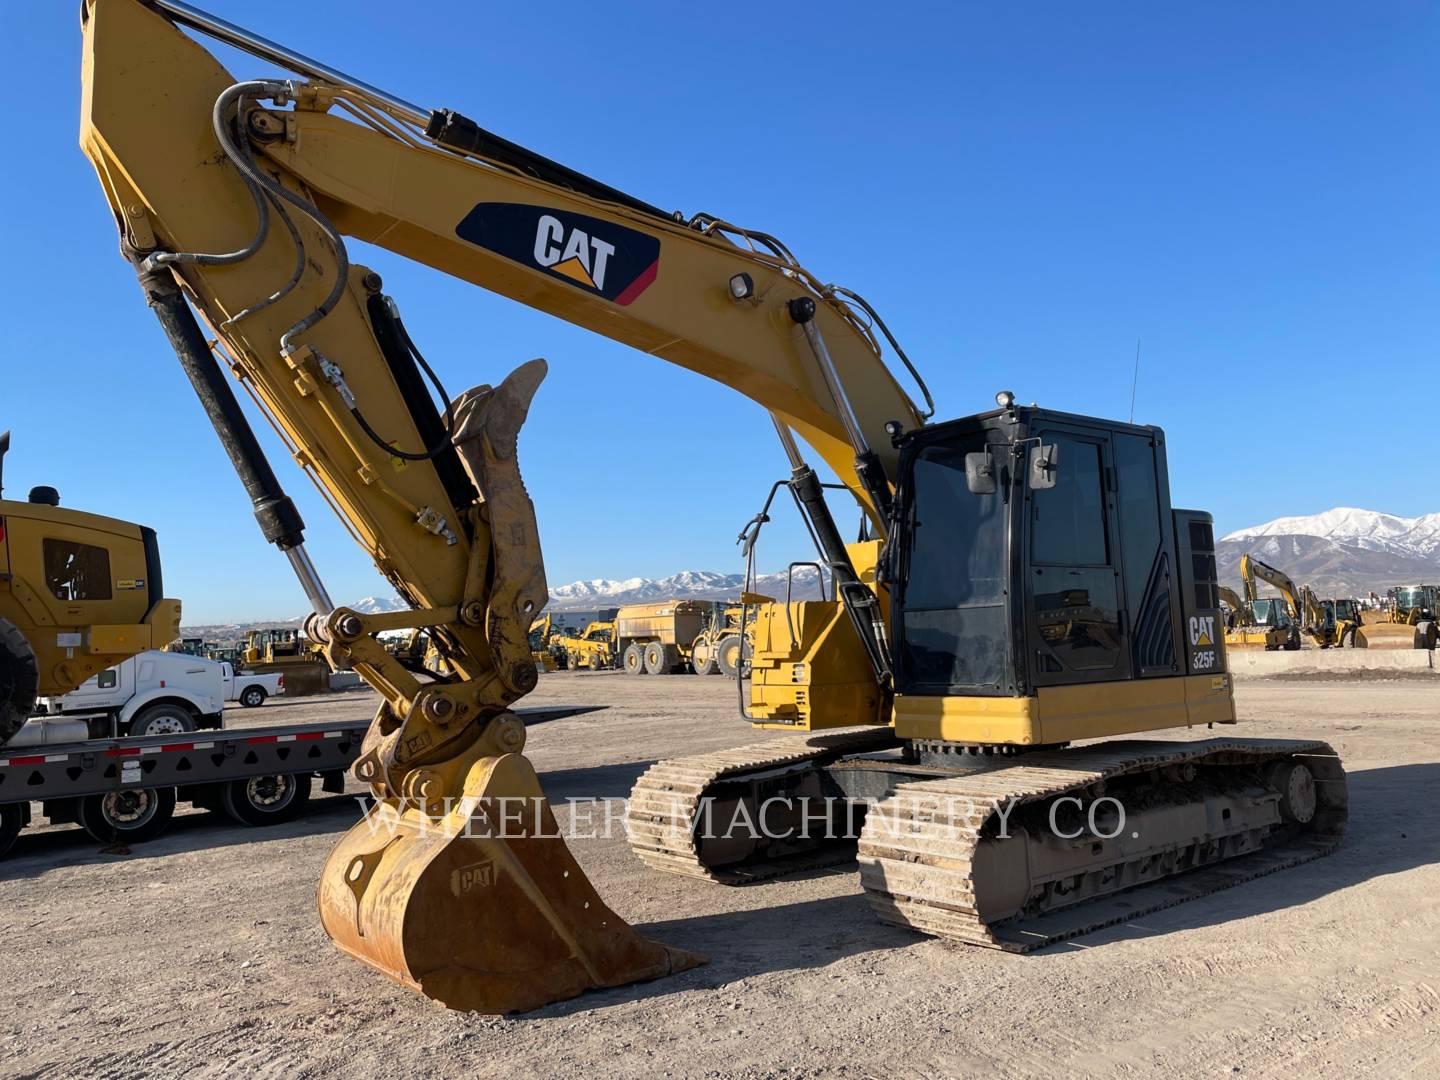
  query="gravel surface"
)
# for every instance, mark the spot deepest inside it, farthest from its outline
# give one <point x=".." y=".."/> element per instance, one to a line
<point x="201" y="954"/>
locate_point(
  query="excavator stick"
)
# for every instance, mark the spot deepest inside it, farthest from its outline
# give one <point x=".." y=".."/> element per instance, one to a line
<point x="483" y="909"/>
<point x="475" y="900"/>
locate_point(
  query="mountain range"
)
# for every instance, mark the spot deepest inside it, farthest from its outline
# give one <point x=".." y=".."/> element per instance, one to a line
<point x="686" y="585"/>
<point x="1342" y="552"/>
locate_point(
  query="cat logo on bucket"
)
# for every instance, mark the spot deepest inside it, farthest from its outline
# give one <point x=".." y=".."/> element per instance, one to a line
<point x="598" y="256"/>
<point x="480" y="875"/>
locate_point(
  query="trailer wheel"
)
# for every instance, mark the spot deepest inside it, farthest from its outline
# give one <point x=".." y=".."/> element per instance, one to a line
<point x="266" y="800"/>
<point x="19" y="680"/>
<point x="130" y="816"/>
<point x="12" y="820"/>
<point x="634" y="659"/>
<point x="252" y="697"/>
<point x="162" y="720"/>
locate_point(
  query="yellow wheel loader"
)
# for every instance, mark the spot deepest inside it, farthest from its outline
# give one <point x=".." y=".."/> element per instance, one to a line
<point x="1406" y="621"/>
<point x="78" y="594"/>
<point x="1022" y="585"/>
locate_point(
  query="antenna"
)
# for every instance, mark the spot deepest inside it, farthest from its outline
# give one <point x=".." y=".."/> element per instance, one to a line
<point x="1135" y="380"/>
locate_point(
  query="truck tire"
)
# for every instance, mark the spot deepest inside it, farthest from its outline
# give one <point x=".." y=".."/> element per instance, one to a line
<point x="19" y="680"/>
<point x="657" y="659"/>
<point x="266" y="800"/>
<point x="12" y="820"/>
<point x="130" y="816"/>
<point x="702" y="658"/>
<point x="727" y="654"/>
<point x="252" y="697"/>
<point x="162" y="719"/>
<point x="634" y="659"/>
<point x="1425" y="635"/>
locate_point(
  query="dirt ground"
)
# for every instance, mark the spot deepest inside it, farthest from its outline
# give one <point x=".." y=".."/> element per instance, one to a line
<point x="200" y="954"/>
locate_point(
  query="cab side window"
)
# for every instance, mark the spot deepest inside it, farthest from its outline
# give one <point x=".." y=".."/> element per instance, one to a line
<point x="75" y="571"/>
<point x="1074" y="595"/>
<point x="1070" y="517"/>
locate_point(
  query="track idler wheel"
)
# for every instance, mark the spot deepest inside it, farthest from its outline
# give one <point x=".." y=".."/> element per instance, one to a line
<point x="483" y="909"/>
<point x="19" y="680"/>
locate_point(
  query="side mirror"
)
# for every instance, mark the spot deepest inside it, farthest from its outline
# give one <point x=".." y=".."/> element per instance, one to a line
<point x="1044" y="466"/>
<point x="980" y="472"/>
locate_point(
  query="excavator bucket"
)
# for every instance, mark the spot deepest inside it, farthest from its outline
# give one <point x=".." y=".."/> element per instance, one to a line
<point x="484" y="910"/>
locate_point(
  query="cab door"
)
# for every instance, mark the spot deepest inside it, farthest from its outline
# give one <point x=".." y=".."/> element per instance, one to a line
<point x="1073" y="591"/>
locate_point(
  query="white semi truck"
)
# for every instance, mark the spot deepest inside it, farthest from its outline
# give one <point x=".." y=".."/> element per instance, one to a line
<point x="154" y="693"/>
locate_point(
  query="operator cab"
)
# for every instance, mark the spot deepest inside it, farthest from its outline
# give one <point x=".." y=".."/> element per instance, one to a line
<point x="1039" y="549"/>
<point x="1271" y="611"/>
<point x="1416" y="598"/>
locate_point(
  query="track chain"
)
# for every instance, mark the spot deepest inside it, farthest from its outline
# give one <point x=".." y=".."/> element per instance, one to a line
<point x="666" y="801"/>
<point x="917" y="865"/>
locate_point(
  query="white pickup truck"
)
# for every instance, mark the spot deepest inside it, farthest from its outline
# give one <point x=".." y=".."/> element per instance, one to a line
<point x="157" y="693"/>
<point x="250" y="690"/>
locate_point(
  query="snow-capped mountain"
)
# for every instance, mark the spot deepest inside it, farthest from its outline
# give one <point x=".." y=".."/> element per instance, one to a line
<point x="378" y="605"/>
<point x="228" y="631"/>
<point x="1341" y="551"/>
<point x="1361" y="528"/>
<point x="686" y="585"/>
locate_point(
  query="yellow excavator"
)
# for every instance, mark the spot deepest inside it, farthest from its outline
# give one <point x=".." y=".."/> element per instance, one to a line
<point x="1293" y="611"/>
<point x="541" y="637"/>
<point x="1022" y="582"/>
<point x="78" y="594"/>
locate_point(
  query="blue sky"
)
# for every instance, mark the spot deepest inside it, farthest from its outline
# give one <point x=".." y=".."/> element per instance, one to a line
<point x="1024" y="189"/>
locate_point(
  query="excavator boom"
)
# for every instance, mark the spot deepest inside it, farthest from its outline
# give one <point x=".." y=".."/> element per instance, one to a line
<point x="233" y="201"/>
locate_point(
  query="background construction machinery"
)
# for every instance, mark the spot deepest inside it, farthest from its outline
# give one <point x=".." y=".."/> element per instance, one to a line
<point x="1406" y="619"/>
<point x="78" y="594"/>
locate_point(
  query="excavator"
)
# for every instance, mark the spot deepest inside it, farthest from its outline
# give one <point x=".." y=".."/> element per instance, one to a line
<point x="78" y="593"/>
<point x="1297" y="616"/>
<point x="1021" y="583"/>
<point x="541" y="636"/>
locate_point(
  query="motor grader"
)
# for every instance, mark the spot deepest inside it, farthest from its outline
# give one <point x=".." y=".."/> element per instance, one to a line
<point x="1022" y="582"/>
<point x="78" y="593"/>
<point x="593" y="647"/>
<point x="725" y="645"/>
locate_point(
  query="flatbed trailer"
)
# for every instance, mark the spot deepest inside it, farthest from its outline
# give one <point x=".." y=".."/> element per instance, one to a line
<point x="125" y="790"/>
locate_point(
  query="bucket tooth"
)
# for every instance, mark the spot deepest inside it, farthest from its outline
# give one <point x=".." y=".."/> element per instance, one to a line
<point x="486" y="909"/>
